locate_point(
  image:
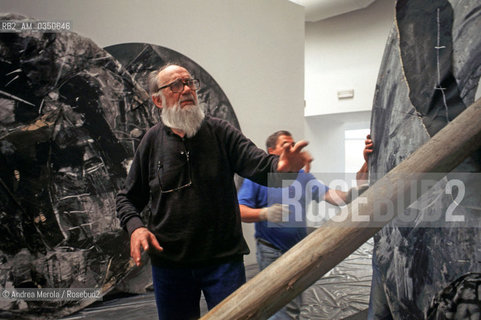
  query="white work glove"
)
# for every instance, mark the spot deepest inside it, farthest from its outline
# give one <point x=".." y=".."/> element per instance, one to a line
<point x="355" y="192"/>
<point x="274" y="213"/>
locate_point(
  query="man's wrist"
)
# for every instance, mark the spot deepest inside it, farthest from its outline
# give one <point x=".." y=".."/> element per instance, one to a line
<point x="263" y="214"/>
<point x="133" y="224"/>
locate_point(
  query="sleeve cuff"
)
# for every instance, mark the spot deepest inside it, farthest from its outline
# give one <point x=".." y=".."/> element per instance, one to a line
<point x="132" y="224"/>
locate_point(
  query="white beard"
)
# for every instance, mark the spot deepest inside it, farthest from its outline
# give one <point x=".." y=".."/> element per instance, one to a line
<point x="187" y="119"/>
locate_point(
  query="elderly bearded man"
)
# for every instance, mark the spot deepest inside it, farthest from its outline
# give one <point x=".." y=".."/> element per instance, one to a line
<point x="185" y="166"/>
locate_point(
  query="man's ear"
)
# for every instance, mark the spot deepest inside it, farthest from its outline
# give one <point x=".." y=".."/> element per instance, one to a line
<point x="157" y="101"/>
<point x="270" y="150"/>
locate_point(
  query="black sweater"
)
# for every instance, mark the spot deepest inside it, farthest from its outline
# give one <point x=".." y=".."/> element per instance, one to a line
<point x="195" y="213"/>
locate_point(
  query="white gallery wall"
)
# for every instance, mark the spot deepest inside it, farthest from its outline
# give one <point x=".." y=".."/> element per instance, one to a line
<point x="343" y="53"/>
<point x="253" y="49"/>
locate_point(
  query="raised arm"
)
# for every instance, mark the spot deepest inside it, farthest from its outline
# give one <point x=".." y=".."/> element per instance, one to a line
<point x="338" y="197"/>
<point x="363" y="174"/>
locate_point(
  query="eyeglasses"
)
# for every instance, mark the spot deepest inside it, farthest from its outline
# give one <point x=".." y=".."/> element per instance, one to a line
<point x="178" y="85"/>
<point x="175" y="180"/>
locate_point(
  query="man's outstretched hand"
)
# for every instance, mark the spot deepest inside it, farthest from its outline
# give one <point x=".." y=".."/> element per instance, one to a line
<point x="142" y="240"/>
<point x="293" y="159"/>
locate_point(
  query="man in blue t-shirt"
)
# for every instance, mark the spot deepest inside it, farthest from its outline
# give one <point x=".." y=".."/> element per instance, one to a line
<point x="278" y="226"/>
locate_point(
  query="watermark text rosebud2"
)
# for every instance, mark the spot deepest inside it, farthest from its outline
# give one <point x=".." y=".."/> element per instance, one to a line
<point x="437" y="200"/>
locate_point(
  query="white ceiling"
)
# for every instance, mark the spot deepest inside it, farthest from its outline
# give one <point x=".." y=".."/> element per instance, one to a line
<point x="322" y="9"/>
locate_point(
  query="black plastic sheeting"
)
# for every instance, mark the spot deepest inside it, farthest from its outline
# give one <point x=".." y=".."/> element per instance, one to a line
<point x="429" y="74"/>
<point x="71" y="116"/>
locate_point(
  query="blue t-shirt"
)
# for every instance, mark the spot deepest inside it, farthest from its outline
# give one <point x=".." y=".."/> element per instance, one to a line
<point x="286" y="234"/>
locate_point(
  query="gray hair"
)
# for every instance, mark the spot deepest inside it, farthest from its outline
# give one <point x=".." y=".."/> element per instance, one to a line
<point x="272" y="139"/>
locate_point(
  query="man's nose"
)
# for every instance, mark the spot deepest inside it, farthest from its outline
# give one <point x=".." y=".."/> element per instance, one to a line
<point x="185" y="88"/>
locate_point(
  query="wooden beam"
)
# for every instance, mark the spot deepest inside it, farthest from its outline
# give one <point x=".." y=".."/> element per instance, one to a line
<point x="323" y="249"/>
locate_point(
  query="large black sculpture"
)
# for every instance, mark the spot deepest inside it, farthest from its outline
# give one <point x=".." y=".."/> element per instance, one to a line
<point x="429" y="74"/>
<point x="71" y="116"/>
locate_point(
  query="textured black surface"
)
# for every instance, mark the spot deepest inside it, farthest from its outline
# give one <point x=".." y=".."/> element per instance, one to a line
<point x="417" y="261"/>
<point x="71" y="116"/>
<point x="426" y="45"/>
<point x="461" y="300"/>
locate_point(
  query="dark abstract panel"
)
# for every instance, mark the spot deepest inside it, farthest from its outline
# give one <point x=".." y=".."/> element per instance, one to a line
<point x="461" y="300"/>
<point x="139" y="59"/>
<point x="71" y="116"/>
<point x="429" y="73"/>
<point x="426" y="53"/>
